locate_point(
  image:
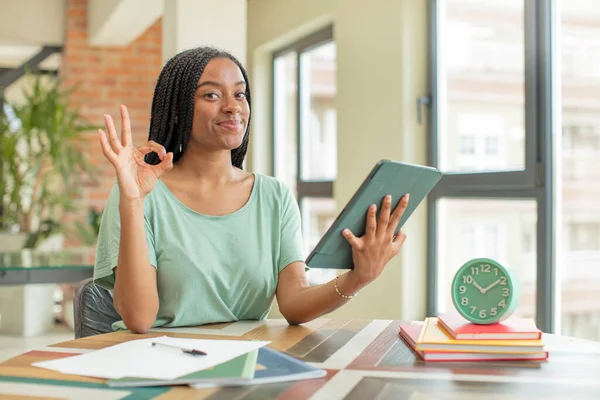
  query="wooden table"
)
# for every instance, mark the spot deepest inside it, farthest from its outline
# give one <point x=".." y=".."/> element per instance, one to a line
<point x="365" y="359"/>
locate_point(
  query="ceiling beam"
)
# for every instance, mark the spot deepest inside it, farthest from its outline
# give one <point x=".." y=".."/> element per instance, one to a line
<point x="13" y="74"/>
<point x="41" y="71"/>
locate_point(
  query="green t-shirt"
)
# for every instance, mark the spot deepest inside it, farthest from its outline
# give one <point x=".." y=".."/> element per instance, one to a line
<point x="210" y="268"/>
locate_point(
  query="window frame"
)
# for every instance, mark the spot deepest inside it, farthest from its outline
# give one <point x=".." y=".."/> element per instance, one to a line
<point x="304" y="188"/>
<point x="535" y="181"/>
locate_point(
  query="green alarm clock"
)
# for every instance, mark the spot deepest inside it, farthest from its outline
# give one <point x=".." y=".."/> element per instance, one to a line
<point x="485" y="292"/>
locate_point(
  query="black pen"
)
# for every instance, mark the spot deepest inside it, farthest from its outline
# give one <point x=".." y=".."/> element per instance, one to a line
<point x="193" y="352"/>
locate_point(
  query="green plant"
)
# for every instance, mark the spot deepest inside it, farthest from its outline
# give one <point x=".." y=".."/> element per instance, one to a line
<point x="88" y="232"/>
<point x="42" y="167"/>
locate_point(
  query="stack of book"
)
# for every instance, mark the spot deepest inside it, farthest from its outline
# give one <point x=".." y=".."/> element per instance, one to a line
<point x="450" y="337"/>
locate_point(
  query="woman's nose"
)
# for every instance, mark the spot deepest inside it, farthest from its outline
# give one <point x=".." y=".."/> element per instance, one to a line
<point x="231" y="106"/>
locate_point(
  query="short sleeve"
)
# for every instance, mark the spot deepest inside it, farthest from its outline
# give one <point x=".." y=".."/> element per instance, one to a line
<point x="291" y="246"/>
<point x="107" y="248"/>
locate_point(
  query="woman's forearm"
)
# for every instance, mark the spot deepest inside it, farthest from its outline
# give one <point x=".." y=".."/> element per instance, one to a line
<point x="135" y="292"/>
<point x="314" y="301"/>
<point x="370" y="254"/>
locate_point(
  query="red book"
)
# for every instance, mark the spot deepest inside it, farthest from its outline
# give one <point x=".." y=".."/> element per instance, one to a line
<point x="513" y="328"/>
<point x="410" y="334"/>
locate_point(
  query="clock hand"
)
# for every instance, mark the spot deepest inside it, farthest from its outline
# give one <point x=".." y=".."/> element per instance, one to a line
<point x="491" y="286"/>
<point x="482" y="290"/>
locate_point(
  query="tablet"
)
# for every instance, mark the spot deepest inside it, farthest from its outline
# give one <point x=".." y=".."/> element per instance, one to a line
<point x="387" y="177"/>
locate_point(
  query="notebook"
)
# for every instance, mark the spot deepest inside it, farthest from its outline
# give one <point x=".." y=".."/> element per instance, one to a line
<point x="410" y="333"/>
<point x="434" y="337"/>
<point x="513" y="328"/>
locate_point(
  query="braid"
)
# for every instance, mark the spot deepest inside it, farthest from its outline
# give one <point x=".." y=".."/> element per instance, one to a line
<point x="172" y="112"/>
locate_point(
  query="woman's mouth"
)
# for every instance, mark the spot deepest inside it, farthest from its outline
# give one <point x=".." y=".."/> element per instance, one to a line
<point x="232" y="125"/>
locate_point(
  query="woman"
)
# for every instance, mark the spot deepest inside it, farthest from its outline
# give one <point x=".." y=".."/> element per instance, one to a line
<point x="188" y="237"/>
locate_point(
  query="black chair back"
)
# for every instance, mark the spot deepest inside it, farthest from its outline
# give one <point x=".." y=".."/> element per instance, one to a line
<point x="93" y="309"/>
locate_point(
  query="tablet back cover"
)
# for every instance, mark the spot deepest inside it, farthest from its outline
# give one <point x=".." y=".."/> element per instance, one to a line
<point x="387" y="177"/>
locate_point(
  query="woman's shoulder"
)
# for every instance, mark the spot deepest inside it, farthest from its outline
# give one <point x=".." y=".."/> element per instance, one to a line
<point x="276" y="194"/>
<point x="271" y="186"/>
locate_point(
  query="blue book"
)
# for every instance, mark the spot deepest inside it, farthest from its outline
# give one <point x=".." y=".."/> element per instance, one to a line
<point x="272" y="366"/>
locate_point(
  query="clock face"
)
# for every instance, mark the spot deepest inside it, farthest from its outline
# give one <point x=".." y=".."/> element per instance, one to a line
<point x="485" y="292"/>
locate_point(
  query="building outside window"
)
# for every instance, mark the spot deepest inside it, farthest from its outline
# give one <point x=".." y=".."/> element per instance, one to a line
<point x="497" y="129"/>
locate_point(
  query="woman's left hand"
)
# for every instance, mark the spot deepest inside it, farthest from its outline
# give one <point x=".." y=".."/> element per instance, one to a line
<point x="372" y="251"/>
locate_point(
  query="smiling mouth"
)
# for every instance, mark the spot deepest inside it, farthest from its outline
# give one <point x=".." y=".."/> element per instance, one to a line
<point x="231" y="125"/>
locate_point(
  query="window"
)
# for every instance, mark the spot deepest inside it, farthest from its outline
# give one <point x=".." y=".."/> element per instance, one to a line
<point x="582" y="137"/>
<point x="284" y="118"/>
<point x="467" y="145"/>
<point x="305" y="133"/>
<point x="478" y="237"/>
<point x="479" y="135"/>
<point x="467" y="229"/>
<point x="491" y="146"/>
<point x="578" y="84"/>
<point x="580" y="144"/>
<point x="584" y="236"/>
<point x="480" y="80"/>
<point x="522" y="78"/>
<point x="528" y="241"/>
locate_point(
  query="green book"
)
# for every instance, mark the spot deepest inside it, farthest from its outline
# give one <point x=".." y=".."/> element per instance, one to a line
<point x="235" y="371"/>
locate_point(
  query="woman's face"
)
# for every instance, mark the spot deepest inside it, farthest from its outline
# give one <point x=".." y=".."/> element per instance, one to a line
<point x="221" y="110"/>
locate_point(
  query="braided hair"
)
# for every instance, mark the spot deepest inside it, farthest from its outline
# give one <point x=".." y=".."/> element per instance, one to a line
<point x="173" y="103"/>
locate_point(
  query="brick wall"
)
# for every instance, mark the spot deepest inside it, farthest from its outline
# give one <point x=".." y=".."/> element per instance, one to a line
<point x="108" y="77"/>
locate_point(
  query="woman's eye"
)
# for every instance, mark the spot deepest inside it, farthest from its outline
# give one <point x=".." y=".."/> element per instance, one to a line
<point x="241" y="95"/>
<point x="211" y="95"/>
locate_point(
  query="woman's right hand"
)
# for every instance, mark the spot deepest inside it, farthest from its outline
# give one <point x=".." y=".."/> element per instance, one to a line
<point x="136" y="178"/>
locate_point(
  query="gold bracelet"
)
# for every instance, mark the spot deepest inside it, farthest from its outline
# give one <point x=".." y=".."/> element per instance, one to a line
<point x="338" y="291"/>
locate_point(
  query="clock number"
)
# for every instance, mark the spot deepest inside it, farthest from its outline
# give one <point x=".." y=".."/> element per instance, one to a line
<point x="485" y="268"/>
<point x="482" y="314"/>
<point x="496" y="271"/>
<point x="475" y="270"/>
<point x="473" y="308"/>
<point x="462" y="289"/>
<point x="493" y="311"/>
<point x="464" y="301"/>
<point x="467" y="279"/>
<point x="503" y="280"/>
<point x="505" y="292"/>
<point x="502" y="303"/>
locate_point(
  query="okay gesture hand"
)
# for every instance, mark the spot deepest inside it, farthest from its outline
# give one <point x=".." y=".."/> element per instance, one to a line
<point x="136" y="178"/>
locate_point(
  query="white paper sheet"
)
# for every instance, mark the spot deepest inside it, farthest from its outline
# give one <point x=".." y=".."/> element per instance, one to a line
<point x="139" y="359"/>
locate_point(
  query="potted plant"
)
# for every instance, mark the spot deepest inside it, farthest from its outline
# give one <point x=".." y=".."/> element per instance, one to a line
<point x="41" y="172"/>
<point x="42" y="167"/>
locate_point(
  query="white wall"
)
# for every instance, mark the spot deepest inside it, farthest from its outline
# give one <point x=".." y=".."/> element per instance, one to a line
<point x="32" y="22"/>
<point x="382" y="50"/>
<point x="191" y="23"/>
